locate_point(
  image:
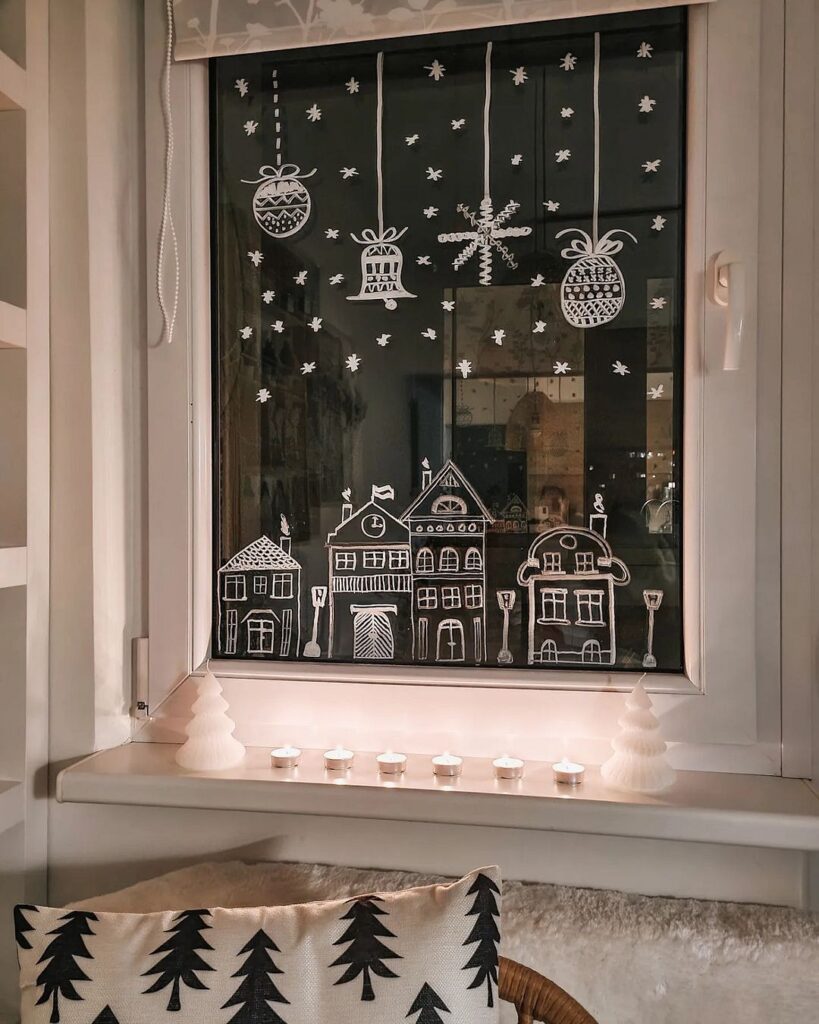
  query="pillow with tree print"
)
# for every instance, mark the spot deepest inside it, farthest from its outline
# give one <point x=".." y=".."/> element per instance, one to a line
<point x="427" y="955"/>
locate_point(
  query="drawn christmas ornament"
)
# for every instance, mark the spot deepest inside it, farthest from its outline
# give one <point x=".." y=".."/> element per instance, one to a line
<point x="281" y="203"/>
<point x="593" y="289"/>
<point x="382" y="262"/>
<point x="489" y="228"/>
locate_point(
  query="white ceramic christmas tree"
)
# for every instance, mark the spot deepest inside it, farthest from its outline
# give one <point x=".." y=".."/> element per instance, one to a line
<point x="638" y="763"/>
<point x="210" y="746"/>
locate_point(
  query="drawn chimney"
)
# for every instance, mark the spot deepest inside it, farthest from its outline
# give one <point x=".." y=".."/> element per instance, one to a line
<point x="426" y="474"/>
<point x="347" y="507"/>
<point x="284" y="539"/>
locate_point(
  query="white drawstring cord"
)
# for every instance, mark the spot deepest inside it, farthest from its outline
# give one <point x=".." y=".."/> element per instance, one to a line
<point x="168" y="316"/>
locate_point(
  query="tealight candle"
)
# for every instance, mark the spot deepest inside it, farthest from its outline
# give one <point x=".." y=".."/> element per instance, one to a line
<point x="285" y="757"/>
<point x="568" y="772"/>
<point x="508" y="767"/>
<point x="391" y="764"/>
<point x="447" y="764"/>
<point x="338" y="759"/>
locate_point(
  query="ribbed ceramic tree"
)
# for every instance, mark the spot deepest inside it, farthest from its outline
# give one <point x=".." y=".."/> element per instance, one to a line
<point x="638" y="763"/>
<point x="210" y="746"/>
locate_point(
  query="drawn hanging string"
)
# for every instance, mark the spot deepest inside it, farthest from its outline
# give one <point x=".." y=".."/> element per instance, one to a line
<point x="167" y="227"/>
<point x="381" y="259"/>
<point x="593" y="290"/>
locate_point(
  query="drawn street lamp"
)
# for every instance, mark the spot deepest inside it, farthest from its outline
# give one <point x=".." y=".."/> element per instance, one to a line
<point x="506" y="602"/>
<point x="653" y="599"/>
<point x="319" y="597"/>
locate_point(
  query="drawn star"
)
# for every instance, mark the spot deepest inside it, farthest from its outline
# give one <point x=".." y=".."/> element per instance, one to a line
<point x="652" y="166"/>
<point x="517" y="159"/>
<point x="464" y="367"/>
<point x="331" y="233"/>
<point x="352" y="362"/>
<point x="539" y="327"/>
<point x="458" y="123"/>
<point x="569" y="62"/>
<point x="263" y="395"/>
<point x="246" y="332"/>
<point x="657" y="392"/>
<point x="383" y="340"/>
<point x="658" y="223"/>
<point x="620" y="368"/>
<point x="647" y="104"/>
<point x="315" y="324"/>
<point x="561" y="368"/>
<point x="562" y="155"/>
<point x="658" y="303"/>
<point x="268" y="296"/>
<point x="307" y="368"/>
<point x="351" y="86"/>
<point x="498" y="336"/>
<point x="447" y="305"/>
<point x="645" y="50"/>
<point x="278" y="326"/>
<point x="519" y="75"/>
<point x="430" y="212"/>
<point x="301" y="277"/>
<point x="430" y="333"/>
<point x="313" y="113"/>
<point x="250" y="127"/>
<point x="538" y="281"/>
<point x="255" y="257"/>
<point x="241" y="85"/>
<point x="348" y="172"/>
<point x="412" y="139"/>
<point x="336" y="278"/>
<point x="566" y="112"/>
<point x="436" y="70"/>
<point x="433" y="175"/>
<point x="552" y="206"/>
<point x="423" y="261"/>
<point x="488" y="231"/>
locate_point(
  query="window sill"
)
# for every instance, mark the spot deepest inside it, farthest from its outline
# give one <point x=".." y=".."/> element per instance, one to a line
<point x="739" y="810"/>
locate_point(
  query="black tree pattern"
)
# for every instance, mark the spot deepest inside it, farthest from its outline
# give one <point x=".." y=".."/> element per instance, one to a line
<point x="428" y="1002"/>
<point x="22" y="925"/>
<point x="182" y="960"/>
<point x="105" y="1016"/>
<point x="62" y="970"/>
<point x="365" y="953"/>
<point x="257" y="991"/>
<point x="484" y="959"/>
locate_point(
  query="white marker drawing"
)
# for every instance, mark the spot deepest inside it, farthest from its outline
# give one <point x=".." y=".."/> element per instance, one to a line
<point x="517" y="159"/>
<point x="423" y="261"/>
<point x="538" y="281"/>
<point x="348" y="172"/>
<point x="268" y="296"/>
<point x="506" y="602"/>
<point x="255" y="257"/>
<point x="241" y="86"/>
<point x="619" y="368"/>
<point x="430" y="212"/>
<point x="659" y="303"/>
<point x="598" y="519"/>
<point x="430" y="333"/>
<point x="651" y="166"/>
<point x="457" y="123"/>
<point x="566" y="113"/>
<point x="246" y="332"/>
<point x="519" y="75"/>
<point x="464" y="367"/>
<point x="315" y="324"/>
<point x="645" y="50"/>
<point x="560" y="368"/>
<point x="382" y="261"/>
<point x="436" y="70"/>
<point x="383" y="340"/>
<point x="653" y="599"/>
<point x="331" y="233"/>
<point x="313" y="113"/>
<point x="654" y="393"/>
<point x="351" y="86"/>
<point x="447" y="305"/>
<point x="318" y="596"/>
<point x="539" y="326"/>
<point x="263" y="395"/>
<point x="278" y="326"/>
<point x="301" y="278"/>
<point x="551" y="205"/>
<point x="562" y="155"/>
<point x="250" y="127"/>
<point x="498" y="336"/>
<point x="433" y="174"/>
<point x="353" y="362"/>
<point x="335" y="279"/>
<point x="646" y="104"/>
<point x="307" y="368"/>
<point x="412" y="139"/>
<point x="658" y="223"/>
<point x="569" y="62"/>
<point x="489" y="229"/>
<point x="281" y="203"/>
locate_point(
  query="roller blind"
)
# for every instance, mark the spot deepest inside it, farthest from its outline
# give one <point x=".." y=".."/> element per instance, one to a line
<point x="219" y="28"/>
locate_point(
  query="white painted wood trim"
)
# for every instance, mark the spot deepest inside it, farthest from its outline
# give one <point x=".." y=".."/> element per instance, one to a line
<point x="12" y="326"/>
<point x="12" y="567"/>
<point x="12" y="84"/>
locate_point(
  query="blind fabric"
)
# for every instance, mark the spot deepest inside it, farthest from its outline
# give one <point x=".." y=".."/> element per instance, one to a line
<point x="220" y="28"/>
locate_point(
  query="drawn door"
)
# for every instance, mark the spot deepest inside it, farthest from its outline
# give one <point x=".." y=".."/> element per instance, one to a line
<point x="450" y="641"/>
<point x="372" y="636"/>
<point x="548" y="651"/>
<point x="591" y="652"/>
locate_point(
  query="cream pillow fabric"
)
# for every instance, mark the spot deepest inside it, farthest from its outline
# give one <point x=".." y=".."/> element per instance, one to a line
<point x="428" y="955"/>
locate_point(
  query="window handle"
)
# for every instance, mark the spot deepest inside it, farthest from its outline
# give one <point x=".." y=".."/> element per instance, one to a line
<point x="727" y="289"/>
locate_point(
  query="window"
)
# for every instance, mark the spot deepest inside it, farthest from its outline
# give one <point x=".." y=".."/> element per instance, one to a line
<point x="448" y="505"/>
<point x="232" y="625"/>
<point x="590" y="608"/>
<point x="551" y="561"/>
<point x="450" y="597"/>
<point x="553" y="606"/>
<point x="473" y="595"/>
<point x="260" y="584"/>
<point x="425" y="561"/>
<point x="345" y="559"/>
<point x="282" y="584"/>
<point x="260" y="636"/>
<point x="473" y="561"/>
<point x="234" y="588"/>
<point x="374" y="559"/>
<point x="448" y="560"/>
<point x="584" y="561"/>
<point x="427" y="597"/>
<point x="399" y="560"/>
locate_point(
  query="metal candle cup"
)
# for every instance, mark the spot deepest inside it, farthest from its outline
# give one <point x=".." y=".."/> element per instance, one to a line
<point x="447" y="765"/>
<point x="508" y="767"/>
<point x="338" y="759"/>
<point x="391" y="764"/>
<point x="570" y="773"/>
<point x="284" y="757"/>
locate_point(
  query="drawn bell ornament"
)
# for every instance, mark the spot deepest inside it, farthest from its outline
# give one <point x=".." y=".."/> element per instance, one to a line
<point x="281" y="203"/>
<point x="381" y="265"/>
<point x="593" y="289"/>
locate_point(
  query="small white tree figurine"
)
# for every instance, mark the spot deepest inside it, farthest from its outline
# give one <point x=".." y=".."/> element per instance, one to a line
<point x="638" y="763"/>
<point x="210" y="746"/>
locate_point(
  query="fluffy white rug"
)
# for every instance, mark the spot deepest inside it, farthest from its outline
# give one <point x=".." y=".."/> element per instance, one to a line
<point x="628" y="959"/>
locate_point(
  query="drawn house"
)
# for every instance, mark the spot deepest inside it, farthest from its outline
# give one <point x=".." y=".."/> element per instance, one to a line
<point x="447" y="526"/>
<point x="570" y="575"/>
<point x="259" y="601"/>
<point x="370" y="583"/>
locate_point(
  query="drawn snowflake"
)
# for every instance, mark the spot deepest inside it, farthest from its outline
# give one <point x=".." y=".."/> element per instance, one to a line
<point x="517" y="159"/>
<point x="519" y="75"/>
<point x="647" y="104"/>
<point x="313" y="113"/>
<point x="351" y="86"/>
<point x="278" y="326"/>
<point x="268" y="296"/>
<point x="436" y="70"/>
<point x="241" y="85"/>
<point x="486" y="237"/>
<point x="430" y="212"/>
<point x="645" y="50"/>
<point x="562" y="155"/>
<point x="256" y="257"/>
<point x="561" y="368"/>
<point x="569" y="62"/>
<point x="315" y="324"/>
<point x="423" y="261"/>
<point x="430" y="333"/>
<point x="458" y="123"/>
<point x="659" y="303"/>
<point x="263" y="395"/>
<point x="539" y="327"/>
<point x="353" y="362"/>
<point x="433" y="174"/>
<point x="301" y="277"/>
<point x="498" y="336"/>
<point x="657" y="392"/>
<point x="658" y="223"/>
<point x="307" y="368"/>
<point x="336" y="278"/>
<point x="348" y="172"/>
<point x="552" y="206"/>
<point x="538" y="281"/>
<point x="464" y="368"/>
<point x="331" y="233"/>
<point x="566" y="112"/>
<point x="412" y="139"/>
<point x="383" y="340"/>
<point x="620" y="368"/>
<point x="652" y="166"/>
<point x="250" y="127"/>
<point x="246" y="332"/>
<point x="447" y="305"/>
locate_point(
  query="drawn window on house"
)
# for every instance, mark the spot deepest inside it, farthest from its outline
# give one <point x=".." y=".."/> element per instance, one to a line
<point x="427" y="597"/>
<point x="287" y="632"/>
<point x="584" y="561"/>
<point x="235" y="588"/>
<point x="448" y="505"/>
<point x="345" y="559"/>
<point x="374" y="559"/>
<point x="260" y="635"/>
<point x="425" y="561"/>
<point x="473" y="562"/>
<point x="450" y="597"/>
<point x="399" y="560"/>
<point x="590" y="607"/>
<point x="592" y="652"/>
<point x="473" y="595"/>
<point x="551" y="561"/>
<point x="553" y="606"/>
<point x="260" y="584"/>
<point x="282" y="584"/>
<point x="232" y="623"/>
<point x="448" y="560"/>
<point x="422" y="649"/>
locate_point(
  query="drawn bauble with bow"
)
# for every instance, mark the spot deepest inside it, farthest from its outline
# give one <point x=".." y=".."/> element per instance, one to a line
<point x="593" y="290"/>
<point x="282" y="203"/>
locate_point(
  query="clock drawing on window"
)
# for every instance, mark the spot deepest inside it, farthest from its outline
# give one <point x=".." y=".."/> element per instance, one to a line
<point x="374" y="525"/>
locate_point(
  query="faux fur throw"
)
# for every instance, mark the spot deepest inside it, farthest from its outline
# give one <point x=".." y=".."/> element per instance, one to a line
<point x="627" y="959"/>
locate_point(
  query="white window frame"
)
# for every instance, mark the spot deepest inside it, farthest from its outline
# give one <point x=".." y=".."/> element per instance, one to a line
<point x="374" y="559"/>
<point x="726" y="707"/>
<point x="451" y="598"/>
<point x="399" y="559"/>
<point x="259" y="584"/>
<point x="557" y="598"/>
<point x="426" y="598"/>
<point x="452" y="557"/>
<point x="552" y="562"/>
<point x="584" y="558"/>
<point x="473" y="595"/>
<point x="281" y="586"/>
<point x="238" y="583"/>
<point x="345" y="560"/>
<point x="429" y="560"/>
<point x="590" y="600"/>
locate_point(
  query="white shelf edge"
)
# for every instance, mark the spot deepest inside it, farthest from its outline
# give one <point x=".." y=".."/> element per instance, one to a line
<point x="12" y="326"/>
<point x="737" y="810"/>
<point x="12" y="84"/>
<point x="12" y="804"/>
<point x="12" y="567"/>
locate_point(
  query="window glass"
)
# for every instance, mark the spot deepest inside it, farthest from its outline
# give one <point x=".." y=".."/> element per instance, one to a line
<point x="448" y="297"/>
